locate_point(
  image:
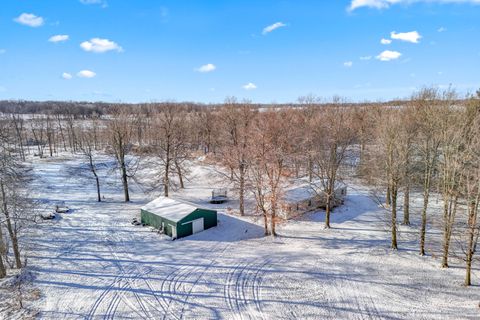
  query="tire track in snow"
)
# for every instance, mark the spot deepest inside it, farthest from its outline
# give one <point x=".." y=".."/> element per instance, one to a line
<point x="242" y="290"/>
<point x="125" y="286"/>
<point x="201" y="275"/>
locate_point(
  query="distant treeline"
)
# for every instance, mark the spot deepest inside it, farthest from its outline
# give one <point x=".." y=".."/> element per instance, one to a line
<point x="87" y="109"/>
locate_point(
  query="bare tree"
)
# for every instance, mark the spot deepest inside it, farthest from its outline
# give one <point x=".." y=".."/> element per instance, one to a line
<point x="427" y="109"/>
<point x="87" y="148"/>
<point x="452" y="130"/>
<point x="331" y="127"/>
<point x="120" y="132"/>
<point x="270" y="149"/>
<point x="237" y="120"/>
<point x="13" y="203"/>
<point x="170" y="143"/>
<point x="471" y="178"/>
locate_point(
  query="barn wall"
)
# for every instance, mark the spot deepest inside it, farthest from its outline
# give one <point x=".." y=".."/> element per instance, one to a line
<point x="209" y="221"/>
<point x="156" y="221"/>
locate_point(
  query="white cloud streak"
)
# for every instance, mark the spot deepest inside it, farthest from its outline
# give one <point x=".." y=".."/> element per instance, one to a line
<point x="384" y="4"/>
<point x="412" y="36"/>
<point x="249" y="86"/>
<point x="348" y="64"/>
<point x="86" y="74"/>
<point x="59" y="38"/>
<point x="273" y="27"/>
<point x="67" y="76"/>
<point x="99" y="45"/>
<point x="385" y="41"/>
<point x="388" y="55"/>
<point x="209" y="67"/>
<point x="29" y="19"/>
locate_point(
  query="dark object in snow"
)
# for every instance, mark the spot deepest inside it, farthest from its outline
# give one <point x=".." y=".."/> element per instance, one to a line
<point x="61" y="208"/>
<point x="219" y="196"/>
<point x="48" y="215"/>
<point x="135" y="222"/>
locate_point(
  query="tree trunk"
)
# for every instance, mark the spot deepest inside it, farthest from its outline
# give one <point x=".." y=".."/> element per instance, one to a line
<point x="427" y="178"/>
<point x="394" y="194"/>
<point x="3" y="251"/>
<point x="273" y="217"/>
<point x="242" y="190"/>
<point x="470" y="246"/>
<point x="97" y="180"/>
<point x="388" y="200"/>
<point x="98" y="187"/>
<point x="450" y="208"/>
<point x="11" y="231"/>
<point x="265" y="223"/>
<point x="166" y="178"/>
<point x="327" y="210"/>
<point x="180" y="175"/>
<point x="423" y="228"/>
<point x="406" y="205"/>
<point x="125" y="181"/>
<point x="310" y="168"/>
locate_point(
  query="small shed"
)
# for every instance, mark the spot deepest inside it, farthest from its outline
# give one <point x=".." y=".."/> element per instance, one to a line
<point x="177" y="218"/>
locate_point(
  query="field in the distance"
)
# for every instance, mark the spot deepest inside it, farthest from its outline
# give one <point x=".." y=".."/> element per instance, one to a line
<point x="93" y="264"/>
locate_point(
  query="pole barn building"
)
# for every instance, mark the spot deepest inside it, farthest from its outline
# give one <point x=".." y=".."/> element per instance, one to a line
<point x="177" y="219"/>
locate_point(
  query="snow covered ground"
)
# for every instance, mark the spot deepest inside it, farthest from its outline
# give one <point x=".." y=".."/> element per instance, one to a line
<point x="93" y="264"/>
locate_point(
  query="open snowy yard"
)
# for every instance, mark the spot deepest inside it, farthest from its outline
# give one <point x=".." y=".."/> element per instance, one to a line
<point x="93" y="264"/>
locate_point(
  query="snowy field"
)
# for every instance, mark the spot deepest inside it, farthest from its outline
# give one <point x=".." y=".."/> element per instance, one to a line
<point x="93" y="264"/>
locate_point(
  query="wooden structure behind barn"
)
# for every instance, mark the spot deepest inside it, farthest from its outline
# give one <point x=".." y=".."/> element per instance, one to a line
<point x="300" y="200"/>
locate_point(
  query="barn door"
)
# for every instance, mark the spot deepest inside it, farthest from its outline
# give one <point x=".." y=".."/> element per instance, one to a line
<point x="197" y="225"/>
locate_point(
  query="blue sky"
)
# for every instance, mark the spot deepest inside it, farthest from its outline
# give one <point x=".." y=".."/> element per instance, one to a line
<point x="265" y="51"/>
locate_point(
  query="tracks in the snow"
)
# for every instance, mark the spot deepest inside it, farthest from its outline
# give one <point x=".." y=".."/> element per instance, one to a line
<point x="243" y="288"/>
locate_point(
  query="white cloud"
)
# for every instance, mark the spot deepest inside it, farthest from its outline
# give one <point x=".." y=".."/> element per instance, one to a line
<point x="59" y="38"/>
<point x="383" y="4"/>
<point x="249" y="86"/>
<point x="441" y="29"/>
<point x="388" y="55"/>
<point x="412" y="36"/>
<point x="67" y="76"/>
<point x="86" y="74"/>
<point x="365" y="58"/>
<point x="273" y="27"/>
<point x="2" y="51"/>
<point x="29" y="19"/>
<point x="209" y="67"/>
<point x="98" y="45"/>
<point x="348" y="64"/>
<point x="385" y="41"/>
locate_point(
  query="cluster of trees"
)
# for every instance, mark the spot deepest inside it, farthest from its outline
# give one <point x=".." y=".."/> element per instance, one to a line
<point x="431" y="144"/>
<point x="15" y="207"/>
<point x="428" y="144"/>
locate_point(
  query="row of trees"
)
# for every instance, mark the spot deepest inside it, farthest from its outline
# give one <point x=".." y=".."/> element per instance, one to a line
<point x="431" y="144"/>
<point x="15" y="207"/>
